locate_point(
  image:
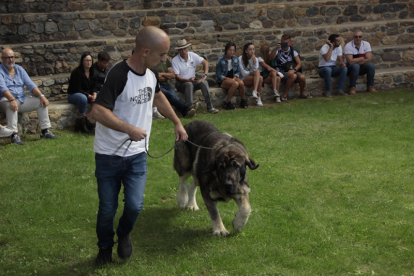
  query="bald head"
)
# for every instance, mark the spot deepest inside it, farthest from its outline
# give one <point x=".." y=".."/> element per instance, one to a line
<point x="150" y="37"/>
<point x="7" y="58"/>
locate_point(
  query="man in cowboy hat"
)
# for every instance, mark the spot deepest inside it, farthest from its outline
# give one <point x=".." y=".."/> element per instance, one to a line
<point x="184" y="66"/>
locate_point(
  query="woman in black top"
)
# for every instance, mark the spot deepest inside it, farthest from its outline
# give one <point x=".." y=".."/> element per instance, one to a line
<point x="83" y="84"/>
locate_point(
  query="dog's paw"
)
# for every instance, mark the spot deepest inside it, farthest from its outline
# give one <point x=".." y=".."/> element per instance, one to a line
<point x="182" y="200"/>
<point x="238" y="226"/>
<point x="193" y="207"/>
<point x="222" y="232"/>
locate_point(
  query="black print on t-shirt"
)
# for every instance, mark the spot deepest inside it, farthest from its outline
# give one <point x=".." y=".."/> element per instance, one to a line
<point x="144" y="95"/>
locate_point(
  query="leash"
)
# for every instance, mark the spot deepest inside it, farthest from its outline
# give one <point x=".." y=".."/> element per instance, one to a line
<point x="147" y="151"/>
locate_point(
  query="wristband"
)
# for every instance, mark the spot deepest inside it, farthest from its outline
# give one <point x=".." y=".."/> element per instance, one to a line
<point x="41" y="96"/>
<point x="12" y="100"/>
<point x="205" y="75"/>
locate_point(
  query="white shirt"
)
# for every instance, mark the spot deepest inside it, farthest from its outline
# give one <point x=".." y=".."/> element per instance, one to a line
<point x="350" y="49"/>
<point x="336" y="52"/>
<point x="251" y="67"/>
<point x="259" y="59"/>
<point x="186" y="69"/>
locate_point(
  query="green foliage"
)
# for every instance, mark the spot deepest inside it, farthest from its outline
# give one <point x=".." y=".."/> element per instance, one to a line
<point x="333" y="196"/>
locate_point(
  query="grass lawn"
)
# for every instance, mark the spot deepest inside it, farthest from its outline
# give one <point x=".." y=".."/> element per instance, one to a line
<point x="333" y="195"/>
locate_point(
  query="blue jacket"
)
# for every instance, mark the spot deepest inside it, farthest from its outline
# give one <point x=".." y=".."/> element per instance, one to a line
<point x="222" y="67"/>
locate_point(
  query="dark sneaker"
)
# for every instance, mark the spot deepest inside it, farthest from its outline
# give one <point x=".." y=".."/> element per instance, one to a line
<point x="48" y="135"/>
<point x="125" y="247"/>
<point x="16" y="139"/>
<point x="229" y="106"/>
<point x="243" y="103"/>
<point x="340" y="92"/>
<point x="328" y="93"/>
<point x="104" y="256"/>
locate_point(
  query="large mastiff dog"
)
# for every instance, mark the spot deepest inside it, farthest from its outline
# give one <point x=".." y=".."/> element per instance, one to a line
<point x="220" y="172"/>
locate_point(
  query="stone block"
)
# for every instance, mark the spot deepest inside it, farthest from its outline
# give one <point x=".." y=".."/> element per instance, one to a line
<point x="389" y="40"/>
<point x="408" y="56"/>
<point x="151" y="21"/>
<point x="405" y="39"/>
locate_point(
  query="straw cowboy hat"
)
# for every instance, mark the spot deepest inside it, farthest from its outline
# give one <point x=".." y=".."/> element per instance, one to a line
<point x="181" y="44"/>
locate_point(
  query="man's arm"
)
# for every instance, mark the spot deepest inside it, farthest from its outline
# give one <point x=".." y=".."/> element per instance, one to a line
<point x="341" y="62"/>
<point x="328" y="55"/>
<point x="13" y="102"/>
<point x="106" y="117"/>
<point x="162" y="104"/>
<point x="351" y="60"/>
<point x="43" y="101"/>
<point x="274" y="51"/>
<point x="205" y="68"/>
<point x="169" y="75"/>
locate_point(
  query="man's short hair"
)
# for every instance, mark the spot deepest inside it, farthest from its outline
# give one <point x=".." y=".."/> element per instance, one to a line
<point x="286" y="36"/>
<point x="333" y="37"/>
<point x="103" y="56"/>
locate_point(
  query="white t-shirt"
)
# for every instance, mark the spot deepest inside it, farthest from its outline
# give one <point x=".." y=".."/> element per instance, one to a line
<point x="251" y="67"/>
<point x="350" y="49"/>
<point x="186" y="69"/>
<point x="336" y="52"/>
<point x="259" y="59"/>
<point x="129" y="96"/>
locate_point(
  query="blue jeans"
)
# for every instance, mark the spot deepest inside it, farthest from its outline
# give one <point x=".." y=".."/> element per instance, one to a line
<point x="110" y="172"/>
<point x="327" y="72"/>
<point x="172" y="97"/>
<point x="355" y="69"/>
<point x="80" y="100"/>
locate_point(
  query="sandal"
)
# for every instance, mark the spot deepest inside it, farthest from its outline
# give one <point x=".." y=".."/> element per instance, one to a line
<point x="283" y="99"/>
<point x="305" y="97"/>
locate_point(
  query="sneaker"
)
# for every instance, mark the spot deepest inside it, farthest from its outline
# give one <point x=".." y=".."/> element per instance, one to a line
<point x="259" y="102"/>
<point x="280" y="75"/>
<point x="254" y="94"/>
<point x="340" y="92"/>
<point x="212" y="110"/>
<point x="371" y="89"/>
<point x="277" y="99"/>
<point x="104" y="256"/>
<point x="328" y="94"/>
<point x="196" y="105"/>
<point x="276" y="93"/>
<point x="190" y="113"/>
<point x="125" y="247"/>
<point x="243" y="103"/>
<point x="16" y="139"/>
<point x="229" y="106"/>
<point x="5" y="132"/>
<point x="48" y="135"/>
<point x="157" y="116"/>
<point x="352" y="91"/>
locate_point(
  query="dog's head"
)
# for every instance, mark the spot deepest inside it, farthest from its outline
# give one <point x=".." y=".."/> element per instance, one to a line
<point x="229" y="163"/>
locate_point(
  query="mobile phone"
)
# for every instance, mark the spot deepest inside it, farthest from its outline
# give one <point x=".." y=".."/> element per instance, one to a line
<point x="284" y="44"/>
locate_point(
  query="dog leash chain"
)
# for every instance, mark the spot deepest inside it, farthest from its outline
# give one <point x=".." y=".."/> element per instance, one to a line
<point x="198" y="146"/>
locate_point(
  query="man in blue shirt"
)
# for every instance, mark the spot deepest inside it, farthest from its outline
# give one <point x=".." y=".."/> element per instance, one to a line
<point x="13" y="100"/>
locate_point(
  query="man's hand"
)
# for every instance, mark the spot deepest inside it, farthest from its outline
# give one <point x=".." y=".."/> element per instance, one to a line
<point x="44" y="102"/>
<point x="191" y="79"/>
<point x="343" y="65"/>
<point x="94" y="96"/>
<point x="290" y="72"/>
<point x="180" y="133"/>
<point x="200" y="80"/>
<point x="13" y="106"/>
<point x="329" y="43"/>
<point x="136" y="134"/>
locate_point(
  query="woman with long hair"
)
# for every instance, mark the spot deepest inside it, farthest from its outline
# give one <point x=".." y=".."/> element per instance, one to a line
<point x="228" y="76"/>
<point x="249" y="72"/>
<point x="83" y="84"/>
<point x="269" y="74"/>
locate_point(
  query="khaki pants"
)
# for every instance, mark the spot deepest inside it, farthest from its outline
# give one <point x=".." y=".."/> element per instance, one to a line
<point x="30" y="104"/>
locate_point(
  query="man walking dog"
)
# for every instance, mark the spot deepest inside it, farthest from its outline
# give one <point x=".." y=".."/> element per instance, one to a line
<point x="123" y="111"/>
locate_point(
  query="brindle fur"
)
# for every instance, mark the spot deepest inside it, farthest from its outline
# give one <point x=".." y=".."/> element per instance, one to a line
<point x="220" y="173"/>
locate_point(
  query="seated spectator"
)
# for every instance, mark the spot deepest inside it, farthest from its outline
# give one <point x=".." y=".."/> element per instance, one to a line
<point x="270" y="75"/>
<point x="165" y="73"/>
<point x="5" y="132"/>
<point x="184" y="66"/>
<point x="287" y="61"/>
<point x="358" y="56"/>
<point x="101" y="68"/>
<point x="249" y="71"/>
<point x="228" y="76"/>
<point x="13" y="100"/>
<point x="82" y="84"/>
<point x="329" y="53"/>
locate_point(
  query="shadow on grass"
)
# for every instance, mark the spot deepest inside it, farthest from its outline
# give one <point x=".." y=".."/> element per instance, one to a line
<point x="156" y="233"/>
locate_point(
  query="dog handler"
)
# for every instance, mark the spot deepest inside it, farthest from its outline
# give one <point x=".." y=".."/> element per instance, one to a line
<point x="123" y="110"/>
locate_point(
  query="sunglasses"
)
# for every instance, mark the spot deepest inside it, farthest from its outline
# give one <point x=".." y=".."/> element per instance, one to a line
<point x="358" y="36"/>
<point x="11" y="57"/>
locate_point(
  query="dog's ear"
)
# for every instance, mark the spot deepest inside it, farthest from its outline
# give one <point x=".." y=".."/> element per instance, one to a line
<point x="250" y="162"/>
